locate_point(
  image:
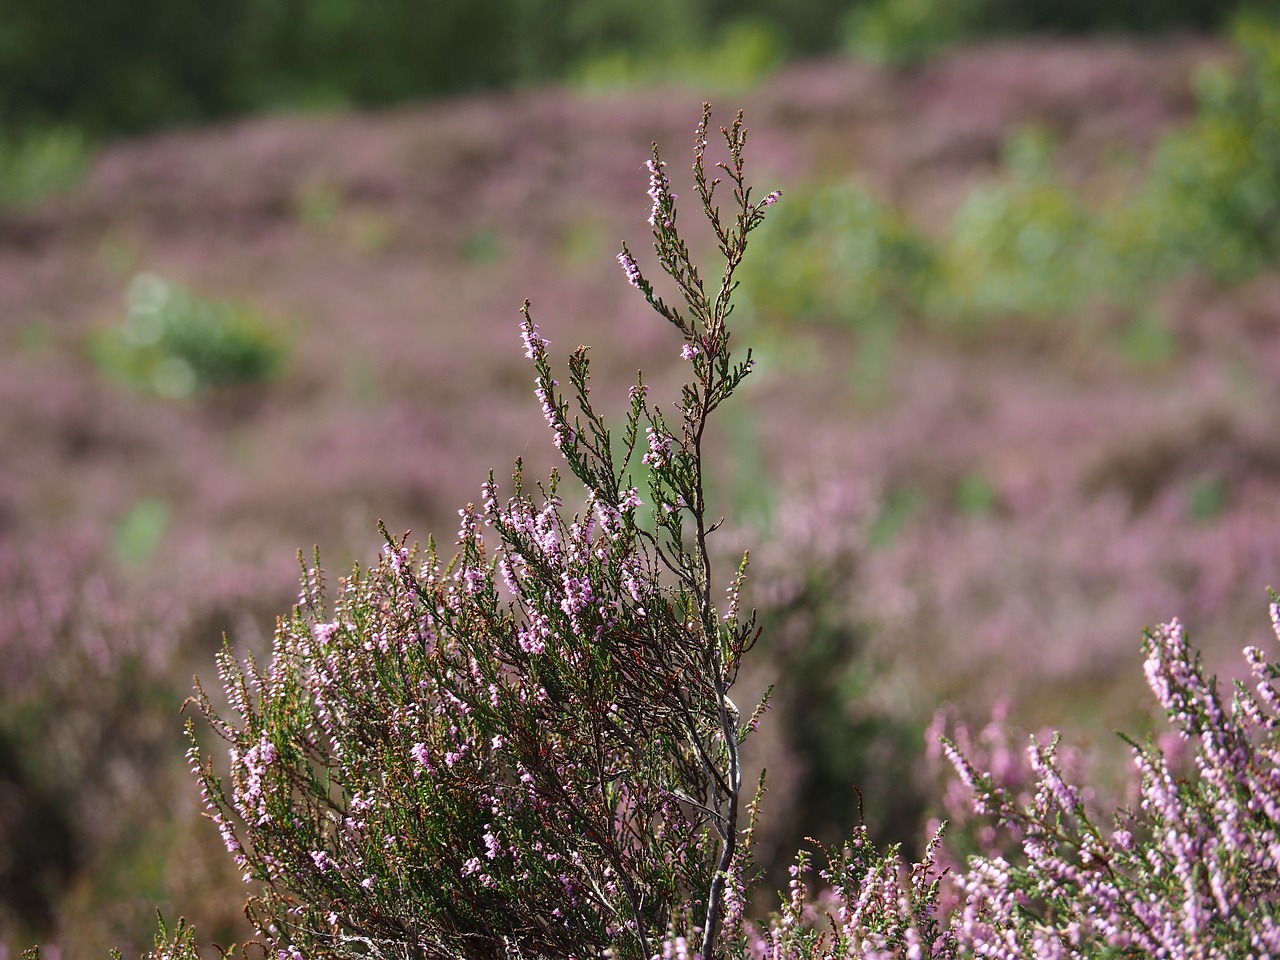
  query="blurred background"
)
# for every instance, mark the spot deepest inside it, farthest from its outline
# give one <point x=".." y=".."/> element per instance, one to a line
<point x="1017" y="321"/>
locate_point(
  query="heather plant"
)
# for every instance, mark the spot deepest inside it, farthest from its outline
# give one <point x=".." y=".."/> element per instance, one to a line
<point x="1187" y="869"/>
<point x="83" y="700"/>
<point x="1191" y="869"/>
<point x="529" y="749"/>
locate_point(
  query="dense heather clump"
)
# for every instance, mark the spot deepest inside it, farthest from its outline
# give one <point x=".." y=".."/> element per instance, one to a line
<point x="1191" y="868"/>
<point x="530" y="749"/>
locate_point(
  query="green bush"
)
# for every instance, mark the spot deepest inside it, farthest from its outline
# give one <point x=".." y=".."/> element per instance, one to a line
<point x="1021" y="246"/>
<point x="841" y="256"/>
<point x="174" y="344"/>
<point x="40" y="165"/>
<point x="904" y="32"/>
<point x="743" y="52"/>
<point x="1214" y="195"/>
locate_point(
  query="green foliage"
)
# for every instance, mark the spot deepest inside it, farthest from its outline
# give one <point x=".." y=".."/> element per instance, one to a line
<point x="482" y="246"/>
<point x="975" y="496"/>
<point x="900" y="508"/>
<point x="119" y="66"/>
<point x="124" y="66"/>
<point x="1019" y="246"/>
<point x="140" y="530"/>
<point x="904" y="32"/>
<point x="841" y="256"/>
<point x="1207" y="497"/>
<point x="178" y="943"/>
<point x="40" y="165"/>
<point x="743" y="52"/>
<point x="1028" y="246"/>
<point x="1214" y="195"/>
<point x="175" y="345"/>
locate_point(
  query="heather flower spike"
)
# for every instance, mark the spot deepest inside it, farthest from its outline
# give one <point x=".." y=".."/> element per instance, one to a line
<point x="529" y="749"/>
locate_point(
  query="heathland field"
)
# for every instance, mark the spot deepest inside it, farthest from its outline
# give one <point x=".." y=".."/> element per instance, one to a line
<point x="1017" y="328"/>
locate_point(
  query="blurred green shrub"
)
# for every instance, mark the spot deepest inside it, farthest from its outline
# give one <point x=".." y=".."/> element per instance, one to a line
<point x="904" y="32"/>
<point x="174" y="344"/>
<point x="840" y="255"/>
<point x="1213" y="200"/>
<point x="743" y="53"/>
<point x="1021" y="246"/>
<point x="41" y="164"/>
<point x="139" y="532"/>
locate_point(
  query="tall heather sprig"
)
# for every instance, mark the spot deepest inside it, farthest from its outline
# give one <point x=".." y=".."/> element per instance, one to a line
<point x="530" y="748"/>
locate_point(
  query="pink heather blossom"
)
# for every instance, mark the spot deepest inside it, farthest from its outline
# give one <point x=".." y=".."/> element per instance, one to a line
<point x="630" y="268"/>
<point x="659" y="454"/>
<point x="659" y="192"/>
<point x="533" y="343"/>
<point x="422" y="754"/>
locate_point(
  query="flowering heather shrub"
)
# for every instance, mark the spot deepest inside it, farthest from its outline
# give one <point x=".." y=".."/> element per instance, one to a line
<point x="1191" y="869"/>
<point x="529" y="749"/>
<point x="97" y="821"/>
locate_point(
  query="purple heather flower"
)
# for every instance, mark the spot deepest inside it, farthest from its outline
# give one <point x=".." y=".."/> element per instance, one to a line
<point x="533" y="343"/>
<point x="659" y="449"/>
<point x="630" y="268"/>
<point x="659" y="191"/>
<point x="422" y="754"/>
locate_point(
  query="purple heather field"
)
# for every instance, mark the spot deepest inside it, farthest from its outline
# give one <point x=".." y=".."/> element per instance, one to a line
<point x="990" y="524"/>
